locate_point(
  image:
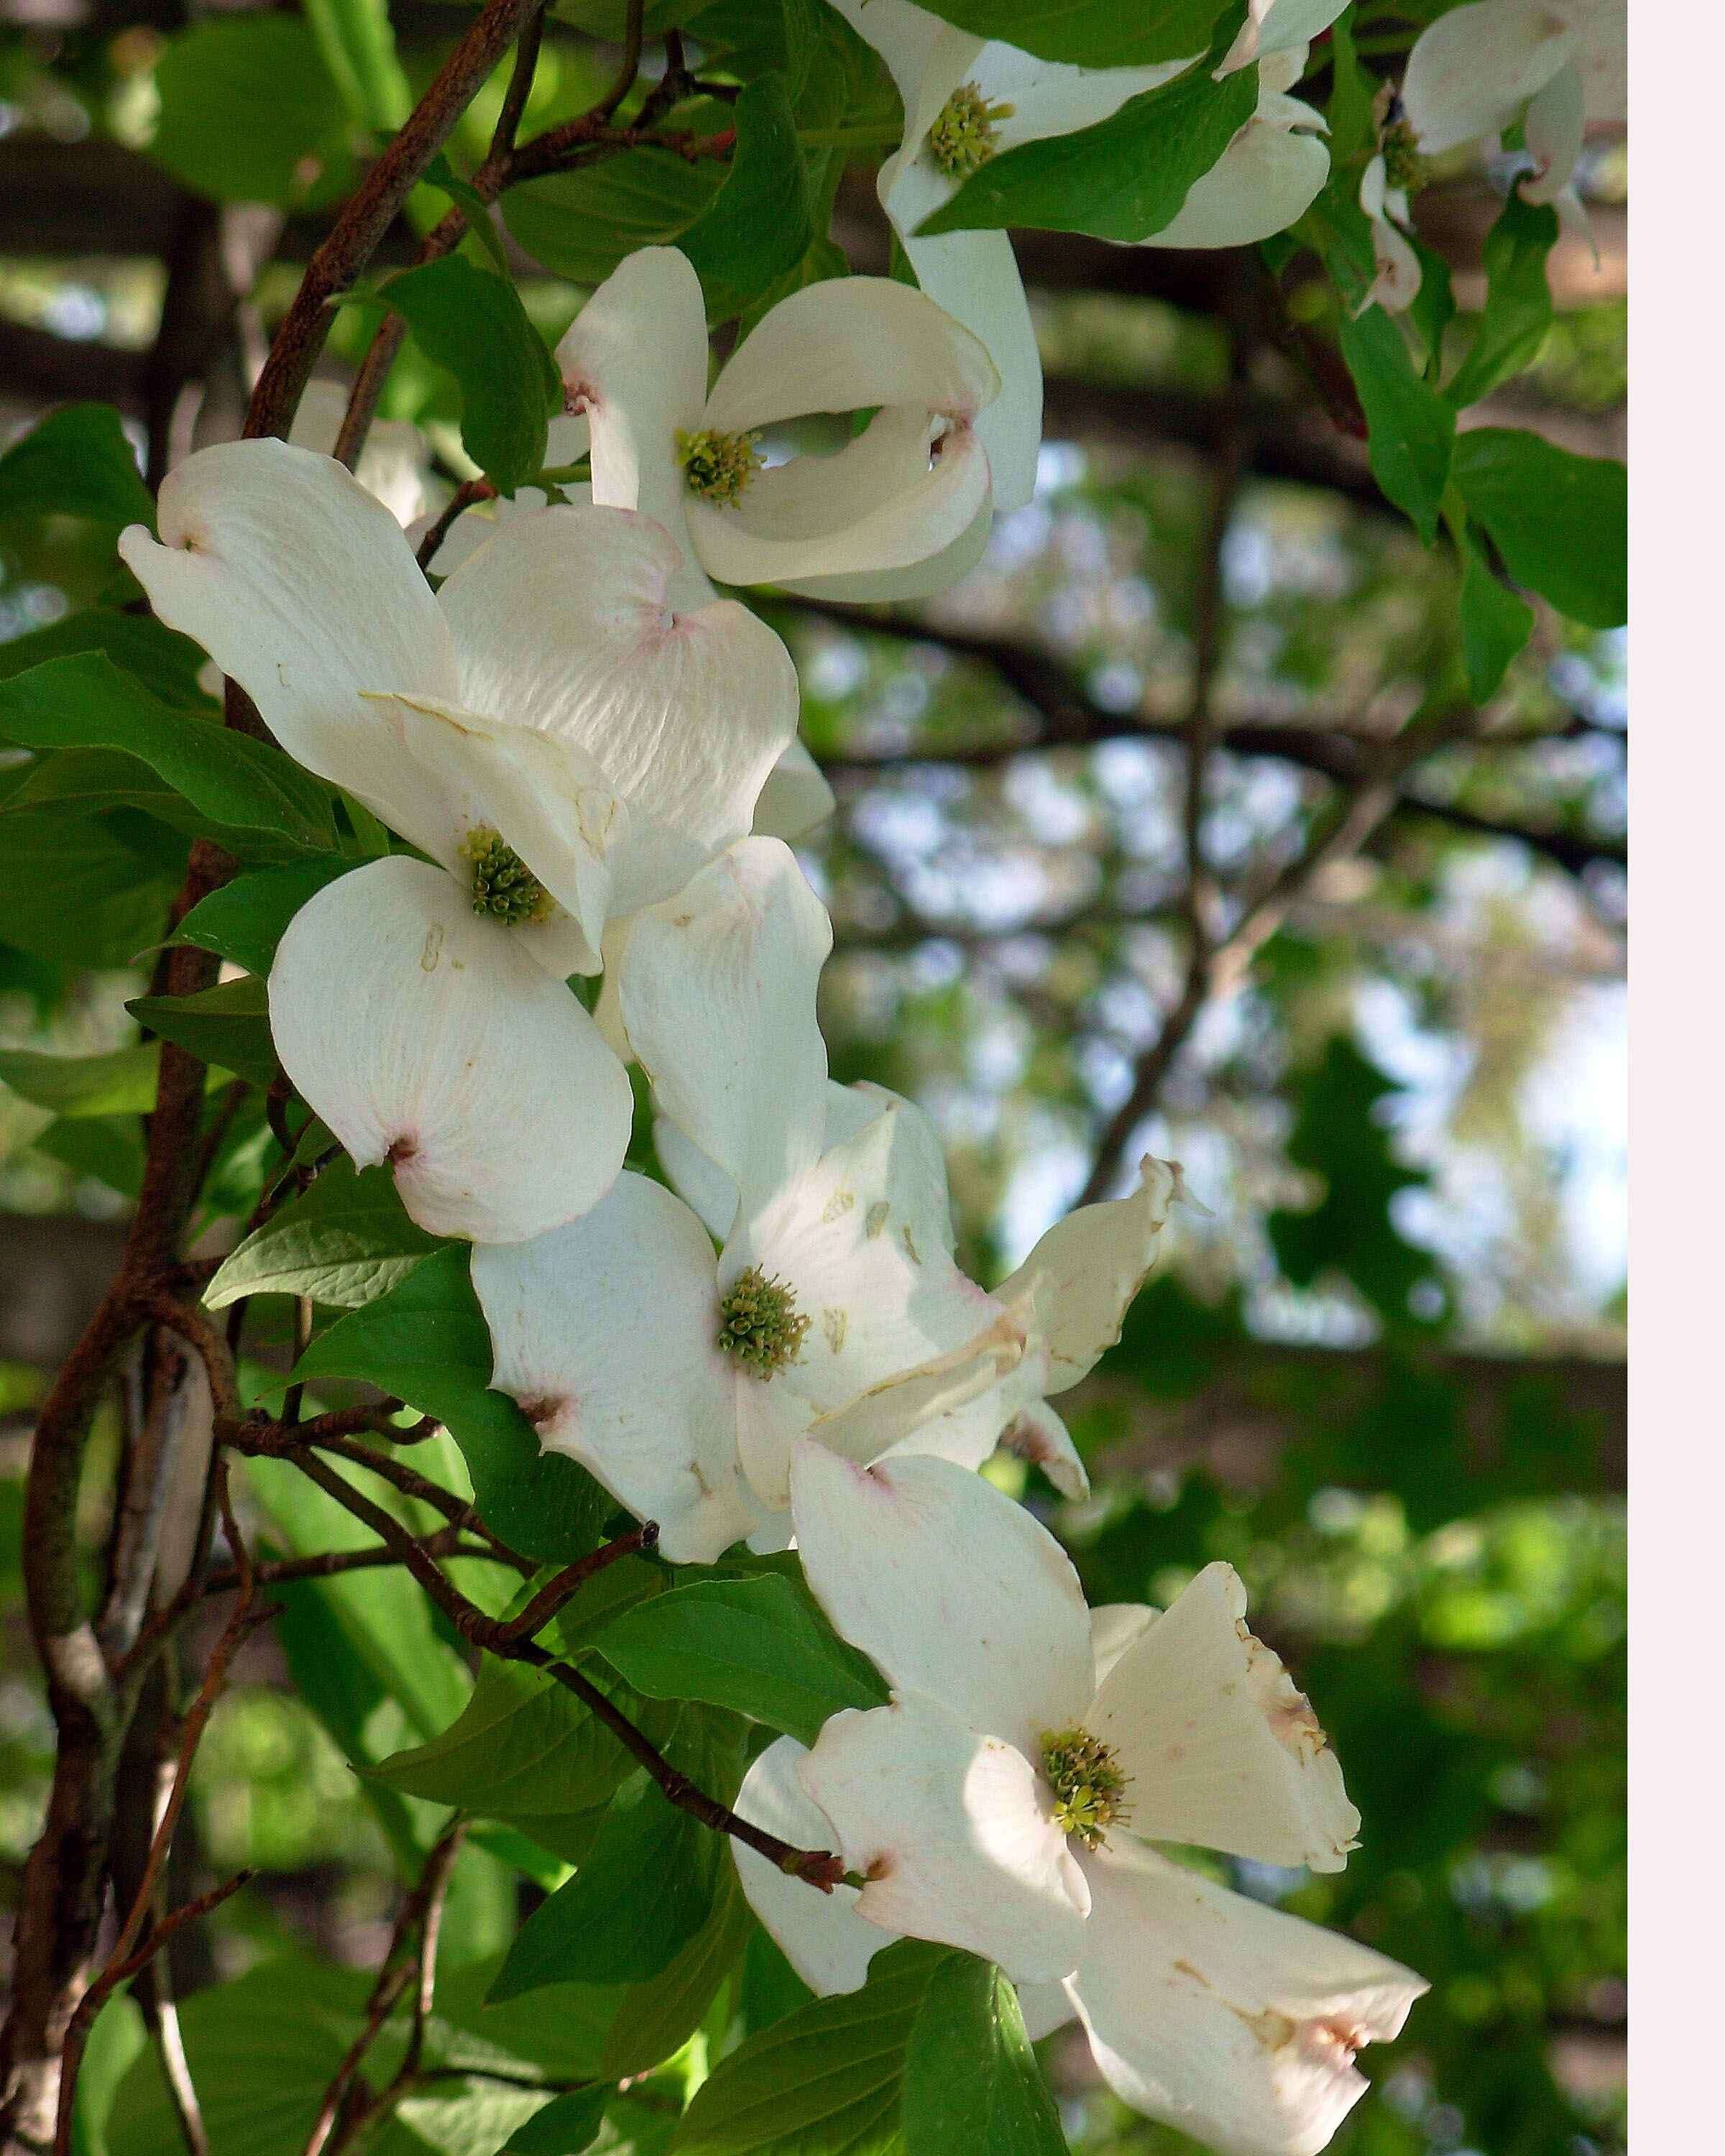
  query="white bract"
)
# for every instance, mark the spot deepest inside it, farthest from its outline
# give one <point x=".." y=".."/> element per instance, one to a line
<point x="902" y="508"/>
<point x="966" y="99"/>
<point x="546" y="727"/>
<point x="1557" y="65"/>
<point x="1002" y="1803"/>
<point x="680" y="1380"/>
<point x="1065" y="1303"/>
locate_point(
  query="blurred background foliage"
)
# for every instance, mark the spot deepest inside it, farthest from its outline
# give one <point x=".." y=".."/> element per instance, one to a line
<point x="1381" y="1372"/>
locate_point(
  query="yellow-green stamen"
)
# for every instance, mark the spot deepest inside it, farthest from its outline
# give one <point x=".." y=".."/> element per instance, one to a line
<point x="1087" y="1782"/>
<point x="504" y="887"/>
<point x="1404" y="167"/>
<point x="759" y="1323"/>
<point x="962" y="140"/>
<point x="717" y="466"/>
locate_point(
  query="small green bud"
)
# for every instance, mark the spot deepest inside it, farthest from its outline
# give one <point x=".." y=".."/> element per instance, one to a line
<point x="962" y="140"/>
<point x="1087" y="1782"/>
<point x="718" y="467"/>
<point x="504" y="887"/>
<point x="759" y="1323"/>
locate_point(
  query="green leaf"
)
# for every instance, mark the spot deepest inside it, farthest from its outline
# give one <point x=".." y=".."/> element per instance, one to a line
<point x="1495" y="626"/>
<point x="1352" y="130"/>
<point x="757" y="1645"/>
<point x="1518" y="308"/>
<point x="825" y="2081"/>
<point x="250" y="113"/>
<point x="646" y="1889"/>
<point x="474" y="324"/>
<point x="359" y="48"/>
<point x="76" y="462"/>
<point x="442" y="174"/>
<point x="85" y="702"/>
<point x="228" y="1025"/>
<point x="167" y="664"/>
<point x="79" y="890"/>
<point x="971" y="2078"/>
<point x="567" y="2125"/>
<point x="120" y="1083"/>
<point x="109" y="1147"/>
<point x="522" y="1749"/>
<point x="346" y="1241"/>
<point x="1124" y="178"/>
<point x="246" y="919"/>
<point x="581" y="224"/>
<point x="1560" y="521"/>
<point x="1412" y="428"/>
<point x="1091" y="32"/>
<point x="426" y="1342"/>
<point x="757" y="227"/>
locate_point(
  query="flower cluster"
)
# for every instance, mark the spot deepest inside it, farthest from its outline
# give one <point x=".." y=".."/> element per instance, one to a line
<point x="578" y="742"/>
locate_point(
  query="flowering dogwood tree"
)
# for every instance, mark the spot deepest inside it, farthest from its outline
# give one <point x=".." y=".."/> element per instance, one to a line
<point x="483" y="1036"/>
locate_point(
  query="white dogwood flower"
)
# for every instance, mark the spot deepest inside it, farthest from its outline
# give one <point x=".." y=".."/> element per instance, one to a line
<point x="1557" y="65"/>
<point x="681" y="1380"/>
<point x="1002" y="1803"/>
<point x="902" y="508"/>
<point x="967" y="98"/>
<point x="545" y="727"/>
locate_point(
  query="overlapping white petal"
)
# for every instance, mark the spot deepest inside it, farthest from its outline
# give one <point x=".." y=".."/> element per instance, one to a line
<point x="821" y="1935"/>
<point x="716" y="989"/>
<point x="1471" y="72"/>
<point x="1234" y="2022"/>
<point x="949" y="1587"/>
<point x="635" y="362"/>
<point x="952" y="1833"/>
<point x="425" y="1037"/>
<point x="579" y="1317"/>
<point x="1223" y="1750"/>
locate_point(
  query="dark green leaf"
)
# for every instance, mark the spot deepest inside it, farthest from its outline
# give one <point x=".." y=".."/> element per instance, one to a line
<point x="85" y="702"/>
<point x="359" y="48"/>
<point x="167" y="664"/>
<point x="1560" y="521"/>
<point x="120" y="1083"/>
<point x="1349" y="113"/>
<point x="1518" y="303"/>
<point x="646" y="1889"/>
<point x="346" y="1241"/>
<point x="467" y="198"/>
<point x="1091" y="32"/>
<point x="1495" y="626"/>
<point x="426" y="1342"/>
<point x="757" y="1645"/>
<point x="109" y="1147"/>
<point x="827" y="2079"/>
<point x="567" y="2125"/>
<point x="228" y="1025"/>
<point x="756" y="229"/>
<point x="249" y="112"/>
<point x="1412" y="431"/>
<point x="76" y="890"/>
<point x="653" y="2020"/>
<point x="1124" y="178"/>
<point x="581" y="225"/>
<point x="523" y="1749"/>
<point x="971" y="2078"/>
<point x="246" y="919"/>
<point x="474" y="324"/>
<point x="76" y="462"/>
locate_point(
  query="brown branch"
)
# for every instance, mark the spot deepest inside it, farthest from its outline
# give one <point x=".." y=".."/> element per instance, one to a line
<point x="372" y="210"/>
<point x="569" y="1582"/>
<point x="469" y="491"/>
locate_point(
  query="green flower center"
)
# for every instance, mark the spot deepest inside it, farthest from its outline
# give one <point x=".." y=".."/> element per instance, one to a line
<point x="1087" y="1782"/>
<point x="718" y="467"/>
<point x="1404" y="167"/>
<point x="759" y="1323"/>
<point x="504" y="887"/>
<point x="962" y="140"/>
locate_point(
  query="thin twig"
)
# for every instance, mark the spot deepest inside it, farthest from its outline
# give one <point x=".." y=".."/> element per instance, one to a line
<point x="469" y="491"/>
<point x="394" y="1974"/>
<point x="569" y="1582"/>
<point x="521" y="84"/>
<point x="631" y="67"/>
